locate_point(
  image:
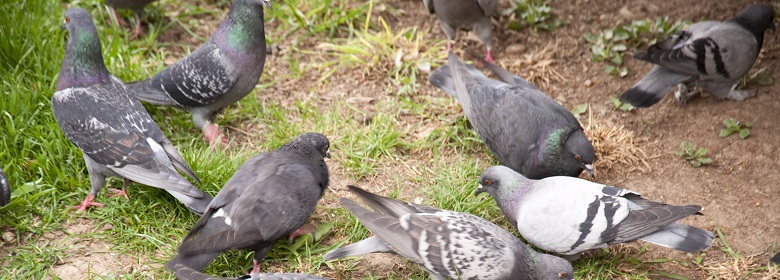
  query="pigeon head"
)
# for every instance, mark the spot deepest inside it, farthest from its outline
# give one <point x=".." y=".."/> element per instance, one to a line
<point x="312" y="145"/>
<point x="580" y="153"/>
<point x="243" y="28"/>
<point x="555" y="268"/>
<point x="499" y="181"/>
<point x="757" y="18"/>
<point x="83" y="62"/>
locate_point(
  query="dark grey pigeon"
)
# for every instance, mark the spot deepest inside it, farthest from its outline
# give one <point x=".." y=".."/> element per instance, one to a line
<point x="466" y="14"/>
<point x="568" y="215"/>
<point x="776" y="259"/>
<point x="185" y="273"/>
<point x="269" y="197"/>
<point x="523" y="127"/>
<point x="712" y="55"/>
<point x="220" y="72"/>
<point x="113" y="130"/>
<point x="137" y="6"/>
<point x="447" y="244"/>
<point x="5" y="189"/>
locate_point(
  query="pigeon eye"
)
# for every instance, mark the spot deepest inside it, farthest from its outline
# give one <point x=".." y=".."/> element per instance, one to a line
<point x="67" y="20"/>
<point x="562" y="274"/>
<point x="577" y="157"/>
<point x="488" y="182"/>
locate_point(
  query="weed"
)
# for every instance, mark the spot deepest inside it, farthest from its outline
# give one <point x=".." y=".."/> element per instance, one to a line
<point x="733" y="126"/>
<point x="534" y="14"/>
<point x="696" y="157"/>
<point x="579" y="110"/>
<point x="619" y="105"/>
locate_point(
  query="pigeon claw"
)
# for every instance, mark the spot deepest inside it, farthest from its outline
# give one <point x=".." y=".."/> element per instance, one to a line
<point x="212" y="135"/>
<point x="305" y="229"/>
<point x="118" y="192"/>
<point x="489" y="57"/>
<point x="87" y="203"/>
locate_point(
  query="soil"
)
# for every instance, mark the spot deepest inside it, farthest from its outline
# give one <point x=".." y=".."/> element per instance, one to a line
<point x="738" y="191"/>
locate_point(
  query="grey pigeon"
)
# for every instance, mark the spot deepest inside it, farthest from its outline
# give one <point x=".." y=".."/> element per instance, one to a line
<point x="220" y="72"/>
<point x="137" y="6"/>
<point x="776" y="259"/>
<point x="711" y="54"/>
<point x="269" y="197"/>
<point x="5" y="189"/>
<point x="447" y="244"/>
<point x="524" y="128"/>
<point x="185" y="273"/>
<point x="113" y="130"/>
<point x="467" y="14"/>
<point x="568" y="215"/>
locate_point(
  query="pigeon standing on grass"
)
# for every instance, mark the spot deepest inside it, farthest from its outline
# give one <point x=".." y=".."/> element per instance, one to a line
<point x="568" y="215"/>
<point x="269" y="197"/>
<point x="113" y="130"/>
<point x="711" y="54"/>
<point x="466" y="14"/>
<point x="220" y="72"/>
<point x="447" y="244"/>
<point x="185" y="273"/>
<point x="523" y="127"/>
<point x="137" y="6"/>
<point x="5" y="189"/>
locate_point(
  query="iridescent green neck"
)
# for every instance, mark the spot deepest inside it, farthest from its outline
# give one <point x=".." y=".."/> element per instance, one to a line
<point x="553" y="145"/>
<point x="243" y="28"/>
<point x="83" y="62"/>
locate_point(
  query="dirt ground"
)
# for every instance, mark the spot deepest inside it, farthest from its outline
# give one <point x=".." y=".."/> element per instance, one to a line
<point x="737" y="191"/>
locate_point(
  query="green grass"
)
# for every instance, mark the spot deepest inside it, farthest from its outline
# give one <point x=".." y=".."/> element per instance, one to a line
<point x="415" y="146"/>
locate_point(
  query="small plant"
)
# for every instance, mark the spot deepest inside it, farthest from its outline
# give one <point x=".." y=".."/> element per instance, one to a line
<point x="610" y="44"/>
<point x="696" y="157"/>
<point x="619" y="105"/>
<point x="734" y="126"/>
<point x="535" y="14"/>
<point x="579" y="110"/>
<point x="757" y="77"/>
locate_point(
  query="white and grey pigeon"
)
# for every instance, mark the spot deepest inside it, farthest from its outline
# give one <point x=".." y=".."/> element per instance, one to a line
<point x="466" y="14"/>
<point x="447" y="244"/>
<point x="113" y="130"/>
<point x="712" y="55"/>
<point x="185" y="273"/>
<point x="5" y="189"/>
<point x="219" y="73"/>
<point x="523" y="127"/>
<point x="568" y="215"/>
<point x="137" y="6"/>
<point x="270" y="196"/>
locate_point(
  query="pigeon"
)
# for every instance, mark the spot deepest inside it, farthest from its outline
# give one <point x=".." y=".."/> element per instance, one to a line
<point x="220" y="72"/>
<point x="113" y="130"/>
<point x="447" y="244"/>
<point x="776" y="259"/>
<point x="5" y="189"/>
<point x="269" y="197"/>
<point x="466" y="14"/>
<point x="137" y="6"/>
<point x="524" y="128"/>
<point x="185" y="273"/>
<point x="710" y="54"/>
<point x="568" y="215"/>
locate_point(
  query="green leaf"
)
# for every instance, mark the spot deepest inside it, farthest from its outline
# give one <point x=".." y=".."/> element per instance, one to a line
<point x="705" y="161"/>
<point x="729" y="122"/>
<point x="764" y="80"/>
<point x="579" y="110"/>
<point x="725" y="132"/>
<point x="744" y="133"/>
<point x="619" y="48"/>
<point x="700" y="152"/>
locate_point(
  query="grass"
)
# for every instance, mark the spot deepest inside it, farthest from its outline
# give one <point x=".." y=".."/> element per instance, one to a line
<point x="403" y="141"/>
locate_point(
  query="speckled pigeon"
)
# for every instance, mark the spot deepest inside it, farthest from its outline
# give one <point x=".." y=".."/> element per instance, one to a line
<point x="524" y="128"/>
<point x="5" y="189"/>
<point x="569" y="215"/>
<point x="269" y="197"/>
<point x="185" y="273"/>
<point x="467" y="14"/>
<point x="220" y="72"/>
<point x="447" y="244"/>
<point x="711" y="54"/>
<point x="113" y="130"/>
<point x="137" y="6"/>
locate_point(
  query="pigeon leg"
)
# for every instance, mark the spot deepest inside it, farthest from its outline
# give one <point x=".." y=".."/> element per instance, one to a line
<point x="489" y="56"/>
<point x="87" y="203"/>
<point x="301" y="231"/>
<point x="255" y="267"/>
<point x="213" y="135"/>
<point x="740" y="95"/>
<point x="122" y="192"/>
<point x="137" y="30"/>
<point x="119" y="20"/>
<point x="682" y="94"/>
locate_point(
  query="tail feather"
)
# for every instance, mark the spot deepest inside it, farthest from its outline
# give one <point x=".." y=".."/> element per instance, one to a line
<point x="652" y="87"/>
<point x="183" y="272"/>
<point x="366" y="246"/>
<point x="144" y="91"/>
<point x="776" y="259"/>
<point x="442" y="79"/>
<point x="681" y="237"/>
<point x="197" y="262"/>
<point x="196" y="205"/>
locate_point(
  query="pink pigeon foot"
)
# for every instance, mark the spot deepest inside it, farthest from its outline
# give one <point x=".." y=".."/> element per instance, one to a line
<point x="255" y="268"/>
<point x="117" y="192"/>
<point x="449" y="45"/>
<point x="489" y="56"/>
<point x="87" y="203"/>
<point x="119" y="20"/>
<point x="301" y="231"/>
<point x="137" y="30"/>
<point x="214" y="136"/>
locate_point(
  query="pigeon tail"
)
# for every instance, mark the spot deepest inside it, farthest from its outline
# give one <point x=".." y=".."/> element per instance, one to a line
<point x="681" y="237"/>
<point x="197" y="262"/>
<point x="144" y="91"/>
<point x="776" y="259"/>
<point x="366" y="246"/>
<point x="652" y="88"/>
<point x="196" y="205"/>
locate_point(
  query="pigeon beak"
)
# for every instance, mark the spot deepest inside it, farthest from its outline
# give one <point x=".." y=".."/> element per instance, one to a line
<point x="479" y="190"/>
<point x="589" y="169"/>
<point x="267" y="4"/>
<point x="327" y="154"/>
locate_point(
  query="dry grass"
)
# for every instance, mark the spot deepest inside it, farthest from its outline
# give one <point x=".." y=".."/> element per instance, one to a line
<point x="537" y="67"/>
<point x="617" y="149"/>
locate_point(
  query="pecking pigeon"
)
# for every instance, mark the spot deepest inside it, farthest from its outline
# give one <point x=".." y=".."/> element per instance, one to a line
<point x="711" y="54"/>
<point x="113" y="130"/>
<point x="185" y="273"/>
<point x="220" y="72"/>
<point x="467" y="14"/>
<point x="269" y="197"/>
<point x="524" y="128"/>
<point x="569" y="215"/>
<point x="447" y="244"/>
<point x="137" y="6"/>
<point x="5" y="189"/>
